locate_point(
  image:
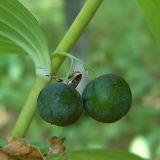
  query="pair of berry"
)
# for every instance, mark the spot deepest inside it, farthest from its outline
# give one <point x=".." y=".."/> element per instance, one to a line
<point x="106" y="99"/>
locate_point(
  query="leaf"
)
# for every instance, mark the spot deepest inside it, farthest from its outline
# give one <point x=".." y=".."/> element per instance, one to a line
<point x="18" y="149"/>
<point x="8" y="47"/>
<point x="4" y="156"/>
<point x="102" y="154"/>
<point x="21" y="33"/>
<point x="151" y="10"/>
<point x="57" y="148"/>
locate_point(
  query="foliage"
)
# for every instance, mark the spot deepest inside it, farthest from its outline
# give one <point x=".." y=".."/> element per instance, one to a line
<point x="102" y="154"/>
<point x="20" y="32"/>
<point x="120" y="37"/>
<point x="151" y="10"/>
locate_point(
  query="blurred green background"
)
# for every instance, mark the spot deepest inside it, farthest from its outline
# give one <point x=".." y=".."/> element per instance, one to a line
<point x="118" y="40"/>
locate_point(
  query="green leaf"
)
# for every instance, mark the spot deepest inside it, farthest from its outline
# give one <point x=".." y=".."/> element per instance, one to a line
<point x="151" y="9"/>
<point x="21" y="33"/>
<point x="102" y="154"/>
<point x="8" y="47"/>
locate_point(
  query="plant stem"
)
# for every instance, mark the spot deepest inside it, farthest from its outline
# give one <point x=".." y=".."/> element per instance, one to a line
<point x="75" y="32"/>
<point x="67" y="43"/>
<point x="29" y="109"/>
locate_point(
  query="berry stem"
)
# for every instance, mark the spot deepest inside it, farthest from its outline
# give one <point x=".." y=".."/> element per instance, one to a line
<point x="85" y="65"/>
<point x="70" y="68"/>
<point x="75" y="31"/>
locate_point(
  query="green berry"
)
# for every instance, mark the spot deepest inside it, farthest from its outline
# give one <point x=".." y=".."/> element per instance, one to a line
<point x="107" y="98"/>
<point x="60" y="104"/>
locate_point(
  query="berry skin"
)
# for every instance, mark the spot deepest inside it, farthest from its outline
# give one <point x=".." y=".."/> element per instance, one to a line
<point x="60" y="104"/>
<point x="107" y="98"/>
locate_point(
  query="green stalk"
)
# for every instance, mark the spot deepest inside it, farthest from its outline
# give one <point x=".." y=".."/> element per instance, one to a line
<point x="75" y="31"/>
<point x="67" y="43"/>
<point x="29" y="109"/>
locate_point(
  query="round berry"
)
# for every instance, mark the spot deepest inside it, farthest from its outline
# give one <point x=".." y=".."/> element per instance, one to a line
<point x="60" y="104"/>
<point x="107" y="98"/>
